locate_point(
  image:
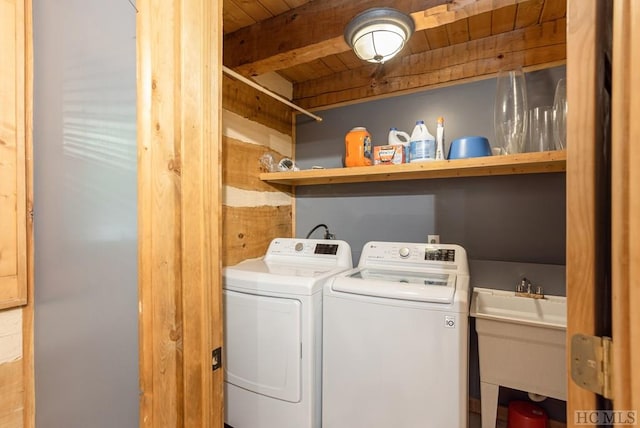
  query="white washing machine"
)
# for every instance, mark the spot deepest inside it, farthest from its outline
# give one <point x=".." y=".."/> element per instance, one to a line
<point x="273" y="333"/>
<point x="395" y="339"/>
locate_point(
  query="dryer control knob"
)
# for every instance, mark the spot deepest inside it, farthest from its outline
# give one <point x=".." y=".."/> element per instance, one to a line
<point x="404" y="252"/>
<point x="299" y="246"/>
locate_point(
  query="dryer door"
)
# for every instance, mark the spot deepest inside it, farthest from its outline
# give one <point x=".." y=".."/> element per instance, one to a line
<point x="263" y="337"/>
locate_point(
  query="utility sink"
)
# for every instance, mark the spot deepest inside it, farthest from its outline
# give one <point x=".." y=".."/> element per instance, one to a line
<point x="521" y="345"/>
<point x="549" y="312"/>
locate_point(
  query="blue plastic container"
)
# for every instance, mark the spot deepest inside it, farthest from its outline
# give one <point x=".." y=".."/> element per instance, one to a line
<point x="469" y="147"/>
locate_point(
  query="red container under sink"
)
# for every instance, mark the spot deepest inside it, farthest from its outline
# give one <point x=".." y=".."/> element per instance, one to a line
<point x="523" y="414"/>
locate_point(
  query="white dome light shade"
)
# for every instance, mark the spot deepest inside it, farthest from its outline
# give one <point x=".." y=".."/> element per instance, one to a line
<point x="378" y="43"/>
<point x="377" y="35"/>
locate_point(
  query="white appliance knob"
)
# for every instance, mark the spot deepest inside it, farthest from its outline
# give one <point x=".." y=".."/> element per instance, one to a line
<point x="299" y="246"/>
<point x="404" y="252"/>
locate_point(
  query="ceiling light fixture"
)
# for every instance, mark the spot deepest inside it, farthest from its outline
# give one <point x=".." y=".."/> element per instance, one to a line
<point x="377" y="35"/>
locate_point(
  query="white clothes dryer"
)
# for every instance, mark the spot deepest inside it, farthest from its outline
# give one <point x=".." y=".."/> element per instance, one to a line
<point x="395" y="339"/>
<point x="273" y="333"/>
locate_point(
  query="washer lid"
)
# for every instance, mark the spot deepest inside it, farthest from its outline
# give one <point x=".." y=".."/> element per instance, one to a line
<point x="417" y="286"/>
<point x="290" y="278"/>
<point x="298" y="270"/>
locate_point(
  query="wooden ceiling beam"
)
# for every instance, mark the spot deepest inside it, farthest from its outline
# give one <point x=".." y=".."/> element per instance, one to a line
<point x="300" y="35"/>
<point x="315" y="30"/>
<point x="533" y="47"/>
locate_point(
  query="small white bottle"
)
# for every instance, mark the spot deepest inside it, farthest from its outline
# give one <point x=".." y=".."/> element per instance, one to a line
<point x="402" y="138"/>
<point x="423" y="144"/>
<point x="440" y="139"/>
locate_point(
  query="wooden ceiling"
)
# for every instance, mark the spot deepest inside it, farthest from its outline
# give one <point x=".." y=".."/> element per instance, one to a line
<point x="455" y="40"/>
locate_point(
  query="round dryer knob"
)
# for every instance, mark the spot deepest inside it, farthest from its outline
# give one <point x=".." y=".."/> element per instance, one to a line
<point x="404" y="252"/>
<point x="299" y="246"/>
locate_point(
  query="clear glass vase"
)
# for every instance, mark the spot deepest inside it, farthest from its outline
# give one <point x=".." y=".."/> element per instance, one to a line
<point x="560" y="115"/>
<point x="510" y="114"/>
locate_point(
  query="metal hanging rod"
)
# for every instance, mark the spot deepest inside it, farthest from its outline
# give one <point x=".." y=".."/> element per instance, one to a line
<point x="268" y="92"/>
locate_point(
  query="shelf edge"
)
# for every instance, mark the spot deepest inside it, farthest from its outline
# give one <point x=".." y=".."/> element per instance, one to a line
<point x="524" y="163"/>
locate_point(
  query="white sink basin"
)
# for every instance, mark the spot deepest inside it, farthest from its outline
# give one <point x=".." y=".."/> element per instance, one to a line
<point x="521" y="345"/>
<point x="550" y="312"/>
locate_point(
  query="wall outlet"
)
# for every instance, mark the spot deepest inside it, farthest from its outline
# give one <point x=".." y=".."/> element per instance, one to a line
<point x="433" y="239"/>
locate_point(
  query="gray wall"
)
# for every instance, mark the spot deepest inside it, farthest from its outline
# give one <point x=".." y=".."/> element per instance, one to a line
<point x="511" y="218"/>
<point x="518" y="219"/>
<point x="86" y="348"/>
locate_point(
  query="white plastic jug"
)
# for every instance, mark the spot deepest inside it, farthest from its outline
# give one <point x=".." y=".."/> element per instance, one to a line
<point x="423" y="144"/>
<point x="400" y="137"/>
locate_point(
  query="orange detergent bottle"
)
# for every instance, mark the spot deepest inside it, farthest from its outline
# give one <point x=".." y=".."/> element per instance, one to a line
<point x="358" y="147"/>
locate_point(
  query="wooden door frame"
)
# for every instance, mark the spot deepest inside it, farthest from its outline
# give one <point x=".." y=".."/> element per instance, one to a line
<point x="29" y="410"/>
<point x="584" y="163"/>
<point x="586" y="36"/>
<point x="179" y="46"/>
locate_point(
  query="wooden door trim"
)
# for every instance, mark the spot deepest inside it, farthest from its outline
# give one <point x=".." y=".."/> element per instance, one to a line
<point x="626" y="205"/>
<point x="29" y="417"/>
<point x="179" y="204"/>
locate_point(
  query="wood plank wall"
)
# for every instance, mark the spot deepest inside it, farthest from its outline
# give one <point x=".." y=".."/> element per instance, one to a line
<point x="12" y="381"/>
<point x="254" y="212"/>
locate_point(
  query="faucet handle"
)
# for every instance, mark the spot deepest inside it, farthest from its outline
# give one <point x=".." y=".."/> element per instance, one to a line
<point x="522" y="286"/>
<point x="539" y="292"/>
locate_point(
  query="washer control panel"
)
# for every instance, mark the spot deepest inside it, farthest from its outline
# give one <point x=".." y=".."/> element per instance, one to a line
<point x="326" y="249"/>
<point x="309" y="249"/>
<point x="440" y="254"/>
<point x="414" y="255"/>
<point x="404" y="252"/>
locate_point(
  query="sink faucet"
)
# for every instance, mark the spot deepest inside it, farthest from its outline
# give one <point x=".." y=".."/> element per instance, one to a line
<point x="524" y="289"/>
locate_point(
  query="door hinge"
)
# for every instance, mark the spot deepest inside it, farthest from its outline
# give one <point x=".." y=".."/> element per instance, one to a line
<point x="591" y="363"/>
<point x="216" y="359"/>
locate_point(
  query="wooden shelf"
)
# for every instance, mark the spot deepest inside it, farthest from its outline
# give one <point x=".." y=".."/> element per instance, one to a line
<point x="522" y="163"/>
